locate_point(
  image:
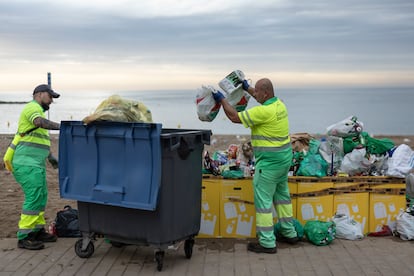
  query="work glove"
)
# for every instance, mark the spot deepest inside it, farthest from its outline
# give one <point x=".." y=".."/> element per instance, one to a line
<point x="245" y="85"/>
<point x="217" y="95"/>
<point x="53" y="161"/>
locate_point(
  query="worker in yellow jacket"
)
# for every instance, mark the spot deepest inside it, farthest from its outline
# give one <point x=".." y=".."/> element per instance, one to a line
<point x="270" y="139"/>
<point x="29" y="167"/>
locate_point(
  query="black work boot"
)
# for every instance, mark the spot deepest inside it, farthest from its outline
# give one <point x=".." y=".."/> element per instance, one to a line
<point x="44" y="236"/>
<point x="30" y="243"/>
<point x="256" y="247"/>
<point x="293" y="240"/>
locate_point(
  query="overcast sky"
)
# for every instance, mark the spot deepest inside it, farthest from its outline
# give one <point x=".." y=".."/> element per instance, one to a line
<point x="143" y="45"/>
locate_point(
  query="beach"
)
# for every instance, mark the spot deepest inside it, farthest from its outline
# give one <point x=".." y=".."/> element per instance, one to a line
<point x="11" y="195"/>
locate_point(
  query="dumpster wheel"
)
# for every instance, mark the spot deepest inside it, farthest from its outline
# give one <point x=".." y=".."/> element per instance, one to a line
<point x="159" y="257"/>
<point x="84" y="253"/>
<point x="188" y="248"/>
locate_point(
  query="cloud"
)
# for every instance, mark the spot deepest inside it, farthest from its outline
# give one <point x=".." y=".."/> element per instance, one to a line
<point x="131" y="38"/>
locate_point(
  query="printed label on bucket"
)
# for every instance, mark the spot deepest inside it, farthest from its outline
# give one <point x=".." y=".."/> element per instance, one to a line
<point x="232" y="81"/>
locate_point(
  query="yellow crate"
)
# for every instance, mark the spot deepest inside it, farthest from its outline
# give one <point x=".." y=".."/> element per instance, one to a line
<point x="237" y="212"/>
<point x="355" y="205"/>
<point x="348" y="185"/>
<point x="294" y="206"/>
<point x="313" y="187"/>
<point x="306" y="184"/>
<point x="389" y="186"/>
<point x="293" y="188"/>
<point x="210" y="208"/>
<point x="381" y="179"/>
<point x="310" y="179"/>
<point x="314" y="208"/>
<point x="383" y="209"/>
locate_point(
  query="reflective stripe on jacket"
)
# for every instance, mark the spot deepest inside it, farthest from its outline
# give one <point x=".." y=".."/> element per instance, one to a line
<point x="269" y="126"/>
<point x="33" y="147"/>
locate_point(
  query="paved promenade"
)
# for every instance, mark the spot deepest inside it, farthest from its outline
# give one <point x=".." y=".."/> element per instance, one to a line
<point x="370" y="256"/>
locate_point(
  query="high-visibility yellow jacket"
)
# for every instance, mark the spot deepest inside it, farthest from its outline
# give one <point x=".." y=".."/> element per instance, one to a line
<point x="34" y="147"/>
<point x="269" y="126"/>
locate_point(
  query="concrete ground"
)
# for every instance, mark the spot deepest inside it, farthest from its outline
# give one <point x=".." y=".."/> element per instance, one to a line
<point x="369" y="256"/>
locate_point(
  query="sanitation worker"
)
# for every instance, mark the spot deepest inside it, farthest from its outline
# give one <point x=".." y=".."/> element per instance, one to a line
<point x="270" y="139"/>
<point x="29" y="167"/>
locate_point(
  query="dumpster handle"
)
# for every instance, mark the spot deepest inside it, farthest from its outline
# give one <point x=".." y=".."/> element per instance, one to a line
<point x="185" y="148"/>
<point x="205" y="138"/>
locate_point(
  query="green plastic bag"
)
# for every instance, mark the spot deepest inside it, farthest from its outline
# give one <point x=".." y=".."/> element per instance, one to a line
<point x="313" y="163"/>
<point x="296" y="224"/>
<point x="378" y="146"/>
<point x="350" y="143"/>
<point x="232" y="174"/>
<point x="373" y="145"/>
<point x="320" y="232"/>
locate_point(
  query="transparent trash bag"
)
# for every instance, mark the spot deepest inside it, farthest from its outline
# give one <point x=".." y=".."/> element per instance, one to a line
<point x="405" y="225"/>
<point x="118" y="109"/>
<point x="347" y="228"/>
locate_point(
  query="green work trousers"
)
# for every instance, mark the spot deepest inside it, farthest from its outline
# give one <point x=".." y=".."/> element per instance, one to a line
<point x="34" y="186"/>
<point x="271" y="187"/>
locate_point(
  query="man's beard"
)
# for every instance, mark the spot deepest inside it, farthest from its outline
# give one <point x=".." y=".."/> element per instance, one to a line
<point x="45" y="107"/>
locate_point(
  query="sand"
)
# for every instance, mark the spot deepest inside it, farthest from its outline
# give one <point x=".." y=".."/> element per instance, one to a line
<point x="11" y="195"/>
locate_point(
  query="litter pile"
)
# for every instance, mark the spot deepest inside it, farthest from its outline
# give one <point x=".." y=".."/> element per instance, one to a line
<point x="237" y="161"/>
<point x="346" y="150"/>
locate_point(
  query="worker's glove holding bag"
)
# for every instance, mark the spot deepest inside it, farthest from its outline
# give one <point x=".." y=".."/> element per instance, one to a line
<point x="218" y="96"/>
<point x="245" y="85"/>
<point x="207" y="107"/>
<point x="53" y="161"/>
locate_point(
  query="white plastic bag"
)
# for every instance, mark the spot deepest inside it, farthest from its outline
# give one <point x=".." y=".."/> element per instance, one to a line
<point x="332" y="150"/>
<point x="405" y="225"/>
<point x="401" y="161"/>
<point x="207" y="108"/>
<point x="356" y="162"/>
<point x="347" y="228"/>
<point x="238" y="99"/>
<point x="345" y="128"/>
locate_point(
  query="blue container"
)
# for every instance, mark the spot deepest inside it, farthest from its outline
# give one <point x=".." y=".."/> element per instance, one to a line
<point x="113" y="163"/>
<point x="178" y="213"/>
<point x="135" y="183"/>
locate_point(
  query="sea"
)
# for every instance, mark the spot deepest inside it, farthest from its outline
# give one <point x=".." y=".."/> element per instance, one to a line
<point x="382" y="111"/>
